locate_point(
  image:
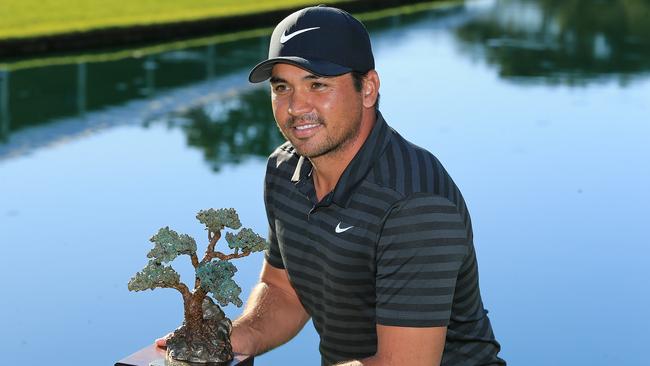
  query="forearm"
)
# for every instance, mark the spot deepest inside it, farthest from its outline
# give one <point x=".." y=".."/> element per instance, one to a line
<point x="271" y="318"/>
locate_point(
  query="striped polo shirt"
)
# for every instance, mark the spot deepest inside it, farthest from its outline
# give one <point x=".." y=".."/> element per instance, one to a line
<point x="391" y="245"/>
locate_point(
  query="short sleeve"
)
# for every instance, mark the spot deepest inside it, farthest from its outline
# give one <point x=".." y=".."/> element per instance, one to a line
<point x="272" y="254"/>
<point x="422" y="246"/>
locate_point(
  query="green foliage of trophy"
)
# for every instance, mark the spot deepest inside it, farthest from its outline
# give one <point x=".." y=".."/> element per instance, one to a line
<point x="204" y="336"/>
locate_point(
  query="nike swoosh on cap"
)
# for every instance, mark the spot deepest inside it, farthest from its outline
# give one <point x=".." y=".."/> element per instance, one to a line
<point x="340" y="229"/>
<point x="285" y="37"/>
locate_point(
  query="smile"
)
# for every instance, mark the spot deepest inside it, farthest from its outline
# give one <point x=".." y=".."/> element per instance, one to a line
<point x="304" y="127"/>
<point x="306" y="131"/>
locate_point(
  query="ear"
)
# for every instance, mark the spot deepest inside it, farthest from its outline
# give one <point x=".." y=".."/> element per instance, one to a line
<point x="370" y="89"/>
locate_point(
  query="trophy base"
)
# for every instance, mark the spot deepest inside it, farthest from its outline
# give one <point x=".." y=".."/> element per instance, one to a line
<point x="156" y="356"/>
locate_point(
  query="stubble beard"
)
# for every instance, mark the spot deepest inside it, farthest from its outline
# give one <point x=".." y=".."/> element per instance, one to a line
<point x="332" y="144"/>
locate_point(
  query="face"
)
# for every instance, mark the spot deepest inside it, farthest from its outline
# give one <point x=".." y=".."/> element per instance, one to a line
<point x="318" y="115"/>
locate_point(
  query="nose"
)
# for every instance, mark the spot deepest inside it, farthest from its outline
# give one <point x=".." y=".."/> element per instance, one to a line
<point x="299" y="103"/>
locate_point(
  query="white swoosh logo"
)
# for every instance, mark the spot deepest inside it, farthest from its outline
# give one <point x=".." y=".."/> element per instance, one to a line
<point x="339" y="229"/>
<point x="285" y="37"/>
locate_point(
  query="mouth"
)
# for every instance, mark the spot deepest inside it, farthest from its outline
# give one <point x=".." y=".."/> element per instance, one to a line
<point x="306" y="127"/>
<point x="306" y="130"/>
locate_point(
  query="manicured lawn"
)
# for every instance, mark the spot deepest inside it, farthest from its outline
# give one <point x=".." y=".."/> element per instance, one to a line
<point x="25" y="18"/>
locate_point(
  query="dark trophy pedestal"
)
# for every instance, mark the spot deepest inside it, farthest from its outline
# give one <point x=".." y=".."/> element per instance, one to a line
<point x="156" y="356"/>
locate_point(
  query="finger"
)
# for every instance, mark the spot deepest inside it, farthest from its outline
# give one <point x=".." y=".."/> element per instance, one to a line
<point x="162" y="342"/>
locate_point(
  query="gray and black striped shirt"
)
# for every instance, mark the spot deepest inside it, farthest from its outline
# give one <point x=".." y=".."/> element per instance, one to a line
<point x="391" y="245"/>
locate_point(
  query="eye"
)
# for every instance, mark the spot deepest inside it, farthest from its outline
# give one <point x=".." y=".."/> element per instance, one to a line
<point x="279" y="88"/>
<point x="318" y="86"/>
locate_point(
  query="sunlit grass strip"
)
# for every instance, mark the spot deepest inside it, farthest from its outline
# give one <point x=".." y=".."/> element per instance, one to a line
<point x="204" y="41"/>
<point x="29" y="18"/>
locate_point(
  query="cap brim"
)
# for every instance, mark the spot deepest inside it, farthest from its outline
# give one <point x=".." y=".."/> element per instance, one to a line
<point x="262" y="71"/>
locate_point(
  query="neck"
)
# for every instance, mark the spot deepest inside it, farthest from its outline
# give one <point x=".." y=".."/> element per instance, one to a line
<point x="328" y="168"/>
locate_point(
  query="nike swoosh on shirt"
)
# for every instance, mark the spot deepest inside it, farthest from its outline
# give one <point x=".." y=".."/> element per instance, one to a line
<point x="339" y="229"/>
<point x="285" y="37"/>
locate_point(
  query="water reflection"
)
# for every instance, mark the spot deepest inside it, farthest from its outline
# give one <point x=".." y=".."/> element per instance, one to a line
<point x="4" y="105"/>
<point x="40" y="106"/>
<point x="42" y="94"/>
<point x="562" y="41"/>
<point x="552" y="41"/>
<point x="231" y="129"/>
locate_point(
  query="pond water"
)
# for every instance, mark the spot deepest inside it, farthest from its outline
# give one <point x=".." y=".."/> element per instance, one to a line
<point x="538" y="109"/>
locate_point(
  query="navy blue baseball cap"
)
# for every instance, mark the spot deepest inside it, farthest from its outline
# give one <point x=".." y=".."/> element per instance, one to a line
<point x="323" y="40"/>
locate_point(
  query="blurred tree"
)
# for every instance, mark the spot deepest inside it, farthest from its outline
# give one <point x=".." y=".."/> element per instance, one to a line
<point x="567" y="41"/>
<point x="229" y="131"/>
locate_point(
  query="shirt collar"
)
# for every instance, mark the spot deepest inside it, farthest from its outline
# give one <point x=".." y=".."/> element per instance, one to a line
<point x="354" y="173"/>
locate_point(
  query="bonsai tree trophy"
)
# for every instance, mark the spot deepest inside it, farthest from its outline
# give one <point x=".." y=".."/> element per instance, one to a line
<point x="204" y="336"/>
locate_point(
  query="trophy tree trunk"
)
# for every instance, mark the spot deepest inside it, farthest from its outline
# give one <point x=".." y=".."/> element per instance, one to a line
<point x="194" y="315"/>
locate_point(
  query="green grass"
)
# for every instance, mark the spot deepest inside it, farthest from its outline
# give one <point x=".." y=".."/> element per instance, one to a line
<point x="29" y="18"/>
<point x="202" y="41"/>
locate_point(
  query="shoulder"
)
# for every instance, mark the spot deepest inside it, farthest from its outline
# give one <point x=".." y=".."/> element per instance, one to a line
<point x="417" y="181"/>
<point x="410" y="169"/>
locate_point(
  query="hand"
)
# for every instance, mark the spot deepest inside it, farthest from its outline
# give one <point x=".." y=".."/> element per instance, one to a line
<point x="240" y="340"/>
<point x="162" y="342"/>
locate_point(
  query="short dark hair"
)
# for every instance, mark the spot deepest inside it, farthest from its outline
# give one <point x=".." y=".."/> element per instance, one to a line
<point x="357" y="79"/>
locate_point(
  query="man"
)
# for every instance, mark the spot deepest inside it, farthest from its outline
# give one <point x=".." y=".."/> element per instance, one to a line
<point x="369" y="236"/>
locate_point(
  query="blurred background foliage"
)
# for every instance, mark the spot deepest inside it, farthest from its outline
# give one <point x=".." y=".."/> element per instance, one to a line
<point x="563" y="41"/>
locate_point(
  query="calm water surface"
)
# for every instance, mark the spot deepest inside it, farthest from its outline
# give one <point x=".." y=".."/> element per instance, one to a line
<point x="538" y="109"/>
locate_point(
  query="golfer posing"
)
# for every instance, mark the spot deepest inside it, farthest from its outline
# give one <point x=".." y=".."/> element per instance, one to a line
<point x="369" y="236"/>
